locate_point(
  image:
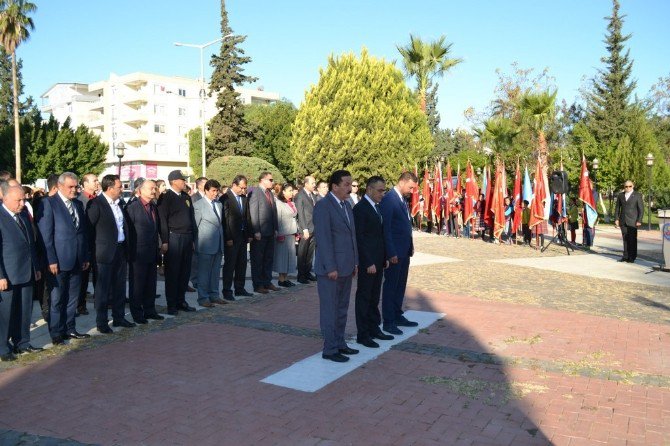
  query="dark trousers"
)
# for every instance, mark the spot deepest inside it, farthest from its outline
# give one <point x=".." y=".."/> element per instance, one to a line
<point x="41" y="294"/>
<point x="234" y="265"/>
<point x="177" y="269"/>
<point x="262" y="255"/>
<point x="629" y="234"/>
<point x="110" y="287"/>
<point x="368" y="291"/>
<point x="21" y="310"/>
<point x="333" y="306"/>
<point x="143" y="296"/>
<point x="527" y="235"/>
<point x="305" y="255"/>
<point x="64" y="294"/>
<point x="85" y="275"/>
<point x="395" y="282"/>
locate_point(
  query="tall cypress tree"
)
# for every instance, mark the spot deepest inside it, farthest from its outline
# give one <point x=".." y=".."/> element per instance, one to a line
<point x="229" y="133"/>
<point x="432" y="114"/>
<point x="6" y="94"/>
<point x="609" y="98"/>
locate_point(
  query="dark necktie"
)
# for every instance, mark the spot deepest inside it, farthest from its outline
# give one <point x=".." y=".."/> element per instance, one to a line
<point x="21" y="225"/>
<point x="379" y="212"/>
<point x="73" y="214"/>
<point x="268" y="196"/>
<point x="344" y="208"/>
<point x="215" y="212"/>
<point x="239" y="204"/>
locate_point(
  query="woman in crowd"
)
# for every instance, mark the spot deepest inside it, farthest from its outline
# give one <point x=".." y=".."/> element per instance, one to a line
<point x="285" y="260"/>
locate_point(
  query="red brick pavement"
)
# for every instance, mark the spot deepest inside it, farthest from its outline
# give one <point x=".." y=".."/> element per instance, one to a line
<point x="200" y="384"/>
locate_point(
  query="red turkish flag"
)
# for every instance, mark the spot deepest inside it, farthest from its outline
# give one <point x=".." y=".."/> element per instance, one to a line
<point x="426" y="193"/>
<point x="518" y="210"/>
<point x="415" y="197"/>
<point x="498" y="203"/>
<point x="539" y="197"/>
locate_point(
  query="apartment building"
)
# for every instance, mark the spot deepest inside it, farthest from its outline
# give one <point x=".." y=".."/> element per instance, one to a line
<point x="150" y="114"/>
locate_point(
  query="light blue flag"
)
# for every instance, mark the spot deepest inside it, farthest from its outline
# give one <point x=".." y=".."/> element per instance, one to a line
<point x="527" y="187"/>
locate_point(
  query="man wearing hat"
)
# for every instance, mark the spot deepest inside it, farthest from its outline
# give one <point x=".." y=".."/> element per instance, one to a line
<point x="177" y="224"/>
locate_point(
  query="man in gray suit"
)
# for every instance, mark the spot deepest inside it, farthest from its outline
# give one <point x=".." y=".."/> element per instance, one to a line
<point x="18" y="271"/>
<point x="629" y="212"/>
<point x="197" y="196"/>
<point x="209" y="244"/>
<point x="264" y="225"/>
<point x="335" y="264"/>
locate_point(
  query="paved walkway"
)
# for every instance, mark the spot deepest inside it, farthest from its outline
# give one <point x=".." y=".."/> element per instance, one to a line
<point x="498" y="369"/>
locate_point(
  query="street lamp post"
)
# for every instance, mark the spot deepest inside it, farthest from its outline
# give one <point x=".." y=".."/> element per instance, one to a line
<point x="120" y="152"/>
<point x="650" y="162"/>
<point x="202" y="93"/>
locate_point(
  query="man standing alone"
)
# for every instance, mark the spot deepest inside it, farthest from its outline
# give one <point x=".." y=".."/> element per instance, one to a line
<point x="335" y="264"/>
<point x="629" y="212"/>
<point x="399" y="248"/>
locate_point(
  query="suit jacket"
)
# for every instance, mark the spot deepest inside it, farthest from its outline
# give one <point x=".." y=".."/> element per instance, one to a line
<point x="262" y="213"/>
<point x="369" y="236"/>
<point x="143" y="245"/>
<point x="64" y="244"/>
<point x="16" y="248"/>
<point x="397" y="226"/>
<point x="104" y="233"/>
<point x="335" y="238"/>
<point x="236" y="221"/>
<point x="196" y="197"/>
<point x="629" y="212"/>
<point x="305" y="206"/>
<point x="83" y="197"/>
<point x="209" y="236"/>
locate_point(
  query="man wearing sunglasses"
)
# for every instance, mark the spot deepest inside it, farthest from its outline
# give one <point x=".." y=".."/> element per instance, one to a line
<point x="629" y="212"/>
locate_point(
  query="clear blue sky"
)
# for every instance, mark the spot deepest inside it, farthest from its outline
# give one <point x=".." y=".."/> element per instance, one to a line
<point x="86" y="40"/>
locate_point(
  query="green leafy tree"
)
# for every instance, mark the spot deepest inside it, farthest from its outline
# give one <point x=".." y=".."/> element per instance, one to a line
<point x="229" y="133"/>
<point x="15" y="27"/>
<point x="432" y="114"/>
<point x="538" y="110"/>
<point x="426" y="60"/>
<point x="362" y="117"/>
<point x="6" y="91"/>
<point x="609" y="97"/>
<point x="225" y="168"/>
<point x="272" y="133"/>
<point x="195" y="151"/>
<point x="448" y="142"/>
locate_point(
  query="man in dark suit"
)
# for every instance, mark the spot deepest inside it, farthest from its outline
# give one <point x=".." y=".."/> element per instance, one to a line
<point x="304" y="204"/>
<point x="143" y="253"/>
<point x="628" y="216"/>
<point x="177" y="224"/>
<point x="372" y="261"/>
<point x="64" y="228"/>
<point x="237" y="232"/>
<point x="89" y="190"/>
<point x="335" y="264"/>
<point x="109" y="232"/>
<point x="19" y="268"/>
<point x="264" y="225"/>
<point x="399" y="249"/>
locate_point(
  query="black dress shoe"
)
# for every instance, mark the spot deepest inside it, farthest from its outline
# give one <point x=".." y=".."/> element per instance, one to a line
<point x="284" y="283"/>
<point x="105" y="329"/>
<point x="172" y="311"/>
<point x="303" y="281"/>
<point x="77" y="335"/>
<point x="312" y="277"/>
<point x="57" y="340"/>
<point x="229" y="296"/>
<point x="348" y="351"/>
<point x="244" y="293"/>
<point x="8" y="357"/>
<point x="123" y="323"/>
<point x="155" y="316"/>
<point x="290" y="284"/>
<point x="140" y="321"/>
<point x="622" y="260"/>
<point x="336" y="357"/>
<point x="382" y="336"/>
<point x="392" y="329"/>
<point x="30" y="349"/>
<point x="82" y="310"/>
<point x="186" y="307"/>
<point x="190" y="289"/>
<point x="402" y="322"/>
<point x="630" y="261"/>
<point x="369" y="343"/>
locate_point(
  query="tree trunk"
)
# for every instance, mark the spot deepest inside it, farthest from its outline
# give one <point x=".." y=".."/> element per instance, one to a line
<point x="543" y="151"/>
<point x="17" y="132"/>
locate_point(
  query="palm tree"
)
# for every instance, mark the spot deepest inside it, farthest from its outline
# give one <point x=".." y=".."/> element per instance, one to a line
<point x="537" y="110"/>
<point x="425" y="60"/>
<point x="15" y="27"/>
<point x="499" y="132"/>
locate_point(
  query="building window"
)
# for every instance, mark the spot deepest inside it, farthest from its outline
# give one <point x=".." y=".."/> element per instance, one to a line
<point x="181" y="111"/>
<point x="183" y="149"/>
<point x="159" y="128"/>
<point x="159" y="109"/>
<point x="160" y="148"/>
<point x="182" y="92"/>
<point x="159" y="89"/>
<point x="182" y="131"/>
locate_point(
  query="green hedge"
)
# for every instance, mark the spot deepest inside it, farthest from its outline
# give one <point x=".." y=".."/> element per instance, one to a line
<point x="225" y="168"/>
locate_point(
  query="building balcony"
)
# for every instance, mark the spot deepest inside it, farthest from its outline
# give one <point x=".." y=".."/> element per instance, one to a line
<point x="135" y="139"/>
